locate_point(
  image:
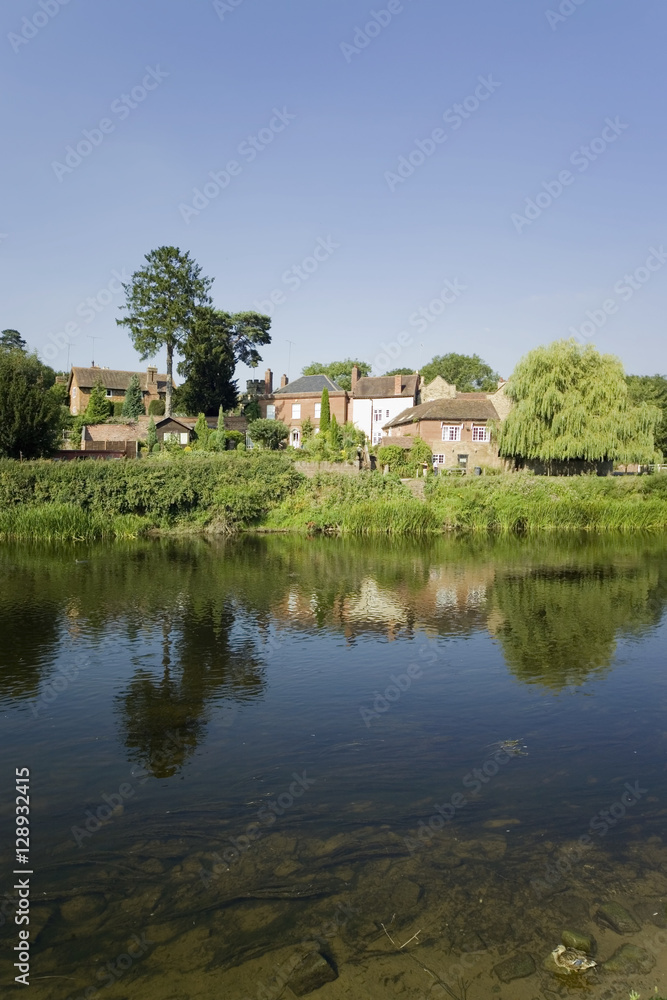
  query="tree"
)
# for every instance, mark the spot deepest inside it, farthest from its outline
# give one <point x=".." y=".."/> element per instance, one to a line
<point x="269" y="433"/>
<point x="570" y="402"/>
<point x="307" y="430"/>
<point x="151" y="437"/>
<point x="339" y="372"/>
<point x="401" y="371"/>
<point x="30" y="406"/>
<point x="202" y="434"/>
<point x="133" y="404"/>
<point x="466" y="371"/>
<point x="162" y="300"/>
<point x="12" y="340"/>
<point x="219" y="435"/>
<point x="335" y="434"/>
<point x="652" y="389"/>
<point x="217" y="343"/>
<point x="325" y="412"/>
<point x="99" y="406"/>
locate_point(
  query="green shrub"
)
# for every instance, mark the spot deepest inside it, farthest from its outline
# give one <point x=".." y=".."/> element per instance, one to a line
<point x="156" y="408"/>
<point x="234" y="439"/>
<point x="117" y="410"/>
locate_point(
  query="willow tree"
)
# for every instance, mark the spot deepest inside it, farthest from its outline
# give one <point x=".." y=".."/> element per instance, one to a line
<point x="162" y="300"/>
<point x="572" y="403"/>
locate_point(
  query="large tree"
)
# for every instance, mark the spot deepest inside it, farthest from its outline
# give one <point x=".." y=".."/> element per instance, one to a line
<point x="218" y="342"/>
<point x="30" y="406"/>
<point x="269" y="433"/>
<point x="162" y="300"/>
<point x="466" y="371"/>
<point x="12" y="340"/>
<point x="339" y="372"/>
<point x="133" y="404"/>
<point x="570" y="402"/>
<point x="652" y="389"/>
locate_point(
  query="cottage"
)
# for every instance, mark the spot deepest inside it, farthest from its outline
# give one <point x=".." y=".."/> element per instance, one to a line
<point x="82" y="381"/>
<point x="376" y="400"/>
<point x="295" y="402"/>
<point x="457" y="427"/>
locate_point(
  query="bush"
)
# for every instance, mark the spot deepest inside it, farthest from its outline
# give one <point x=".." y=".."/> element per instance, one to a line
<point x="117" y="410"/>
<point x="234" y="439"/>
<point x="392" y="455"/>
<point x="156" y="408"/>
<point x="269" y="433"/>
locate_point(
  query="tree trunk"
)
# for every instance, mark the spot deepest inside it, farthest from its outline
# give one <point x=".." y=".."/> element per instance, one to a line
<point x="170" y="384"/>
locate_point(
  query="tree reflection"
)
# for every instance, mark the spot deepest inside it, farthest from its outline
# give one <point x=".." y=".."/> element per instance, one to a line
<point x="163" y="717"/>
<point x="558" y="627"/>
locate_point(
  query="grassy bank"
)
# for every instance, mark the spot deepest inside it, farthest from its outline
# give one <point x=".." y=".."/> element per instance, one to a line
<point x="231" y="492"/>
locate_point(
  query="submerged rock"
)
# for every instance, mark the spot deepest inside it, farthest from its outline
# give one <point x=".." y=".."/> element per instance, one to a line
<point x="311" y="973"/>
<point x="630" y="958"/>
<point x="618" y="918"/>
<point x="580" y="942"/>
<point x="517" y="967"/>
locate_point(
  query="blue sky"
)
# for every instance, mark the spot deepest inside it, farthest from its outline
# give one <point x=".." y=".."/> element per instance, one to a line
<point x="333" y="109"/>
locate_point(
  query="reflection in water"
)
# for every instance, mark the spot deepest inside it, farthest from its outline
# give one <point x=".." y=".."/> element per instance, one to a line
<point x="180" y="635"/>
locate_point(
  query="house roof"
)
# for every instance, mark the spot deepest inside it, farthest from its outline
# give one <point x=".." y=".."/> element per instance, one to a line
<point x="384" y="387"/>
<point x="113" y="379"/>
<point x="464" y="406"/>
<point x="308" y="383"/>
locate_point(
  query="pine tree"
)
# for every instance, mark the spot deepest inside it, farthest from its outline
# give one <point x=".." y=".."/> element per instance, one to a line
<point x="202" y="433"/>
<point x="335" y="433"/>
<point x="151" y="437"/>
<point x="133" y="404"/>
<point x="11" y="340"/>
<point x="219" y="436"/>
<point x="325" y="413"/>
<point x="99" y="406"/>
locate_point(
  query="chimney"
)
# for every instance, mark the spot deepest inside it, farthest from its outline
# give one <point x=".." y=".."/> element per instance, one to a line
<point x="398" y="385"/>
<point x="355" y="377"/>
<point x="268" y="381"/>
<point x="283" y="381"/>
<point x="151" y="375"/>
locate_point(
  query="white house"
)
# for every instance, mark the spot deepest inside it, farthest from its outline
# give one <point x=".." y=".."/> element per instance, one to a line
<point x="377" y="400"/>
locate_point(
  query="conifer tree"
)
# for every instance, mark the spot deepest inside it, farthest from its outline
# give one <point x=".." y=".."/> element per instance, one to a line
<point x="133" y="404"/>
<point x="325" y="413"/>
<point x="335" y="433"/>
<point x="99" y="406"/>
<point x="151" y="437"/>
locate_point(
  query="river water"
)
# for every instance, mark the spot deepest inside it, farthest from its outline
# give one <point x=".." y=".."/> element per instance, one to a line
<point x="422" y="760"/>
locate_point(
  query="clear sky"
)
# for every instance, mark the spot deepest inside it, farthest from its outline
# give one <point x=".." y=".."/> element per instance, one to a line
<point x="316" y="104"/>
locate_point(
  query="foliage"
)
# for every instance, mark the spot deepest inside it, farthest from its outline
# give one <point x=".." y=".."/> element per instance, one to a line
<point x="217" y="343"/>
<point x="392" y="455"/>
<point x="325" y="411"/>
<point x="31" y="415"/>
<point x="269" y="433"/>
<point x="401" y="371"/>
<point x="151" y="436"/>
<point x="570" y="402"/>
<point x="202" y="434"/>
<point x="162" y="300"/>
<point x="251" y="411"/>
<point x="218" y="438"/>
<point x="133" y="404"/>
<point x="339" y="372"/>
<point x="335" y="434"/>
<point x="466" y="371"/>
<point x="99" y="406"/>
<point x="11" y="340"/>
<point x="307" y="430"/>
<point x="66" y="522"/>
<point x="117" y="409"/>
<point x="419" y="453"/>
<point x="156" y="408"/>
<point x="651" y="389"/>
<point x="235" y="439"/>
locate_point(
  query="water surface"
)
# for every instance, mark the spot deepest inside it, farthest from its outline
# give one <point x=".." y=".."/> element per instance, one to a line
<point x="242" y="750"/>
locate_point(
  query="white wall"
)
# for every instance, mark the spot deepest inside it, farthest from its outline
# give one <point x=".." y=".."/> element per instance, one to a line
<point x="363" y="409"/>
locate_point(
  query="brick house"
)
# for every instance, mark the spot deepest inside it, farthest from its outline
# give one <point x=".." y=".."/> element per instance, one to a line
<point x="456" y="426"/>
<point x="300" y="400"/>
<point x="376" y="400"/>
<point x="82" y="380"/>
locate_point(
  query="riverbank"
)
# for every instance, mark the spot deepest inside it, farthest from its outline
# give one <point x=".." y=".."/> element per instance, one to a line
<point x="233" y="492"/>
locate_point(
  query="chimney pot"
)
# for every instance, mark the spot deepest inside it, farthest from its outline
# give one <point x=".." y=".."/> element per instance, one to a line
<point x="283" y="381"/>
<point x="398" y="385"/>
<point x="152" y="373"/>
<point x="355" y="377"/>
<point x="268" y="381"/>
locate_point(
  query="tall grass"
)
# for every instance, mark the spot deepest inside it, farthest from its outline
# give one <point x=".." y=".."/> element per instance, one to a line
<point x="65" y="522"/>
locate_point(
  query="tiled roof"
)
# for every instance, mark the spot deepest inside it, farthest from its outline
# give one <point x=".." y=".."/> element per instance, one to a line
<point x="111" y="378"/>
<point x="308" y="383"/>
<point x="384" y="387"/>
<point x="465" y="406"/>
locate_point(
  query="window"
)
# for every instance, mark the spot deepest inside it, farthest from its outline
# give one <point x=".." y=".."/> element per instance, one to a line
<point x="386" y="413"/>
<point x="438" y="459"/>
<point x="377" y="416"/>
<point x="480" y="432"/>
<point x="451" y="432"/>
<point x="377" y="437"/>
<point x="169" y="436"/>
<point x="185" y="437"/>
<point x="74" y="390"/>
<point x="296" y="411"/>
<point x="110" y="392"/>
<point x="318" y="410"/>
<point x="271" y="411"/>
